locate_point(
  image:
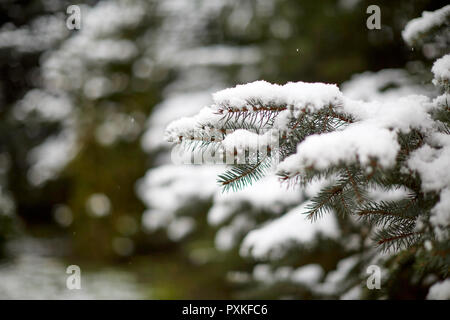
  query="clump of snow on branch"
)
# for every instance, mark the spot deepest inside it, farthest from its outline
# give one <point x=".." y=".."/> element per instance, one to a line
<point x="175" y="106"/>
<point x="347" y="146"/>
<point x="266" y="194"/>
<point x="440" y="291"/>
<point x="441" y="211"/>
<point x="294" y="226"/>
<point x="380" y="122"/>
<point x="384" y="85"/>
<point x="441" y="71"/>
<point x="417" y="28"/>
<point x="431" y="162"/>
<point x="294" y="95"/>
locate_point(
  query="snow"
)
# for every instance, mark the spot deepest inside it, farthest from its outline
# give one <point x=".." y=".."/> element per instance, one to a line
<point x="441" y="68"/>
<point x="264" y="194"/>
<point x="402" y="114"/>
<point x="432" y="162"/>
<point x="171" y="186"/>
<point x="440" y="213"/>
<point x="354" y="293"/>
<point x="244" y="206"/>
<point x="317" y="184"/>
<point x="343" y="268"/>
<point x="179" y="228"/>
<point x="228" y="236"/>
<point x="267" y="195"/>
<point x="270" y="240"/>
<point x="378" y="122"/>
<point x="384" y="85"/>
<point x="440" y="291"/>
<point x="155" y="219"/>
<point x="309" y="274"/>
<point x="395" y="194"/>
<point x="296" y="95"/>
<point x="205" y="126"/>
<point x="442" y="101"/>
<point x="188" y="128"/>
<point x="346" y="146"/>
<point x="245" y="141"/>
<point x="335" y="279"/>
<point x="242" y="139"/>
<point x="173" y="107"/>
<point x="429" y="20"/>
<point x="262" y="273"/>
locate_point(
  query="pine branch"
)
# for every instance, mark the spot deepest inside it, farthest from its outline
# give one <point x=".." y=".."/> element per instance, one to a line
<point x="387" y="212"/>
<point x="256" y="112"/>
<point x="240" y="176"/>
<point x="397" y="236"/>
<point x="322" y="202"/>
<point x="354" y="185"/>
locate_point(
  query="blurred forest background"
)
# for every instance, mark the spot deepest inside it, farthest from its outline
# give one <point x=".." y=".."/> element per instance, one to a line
<point x="82" y="114"/>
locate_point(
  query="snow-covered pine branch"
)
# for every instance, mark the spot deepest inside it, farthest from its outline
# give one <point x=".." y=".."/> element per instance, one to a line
<point x="428" y="27"/>
<point x="321" y="132"/>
